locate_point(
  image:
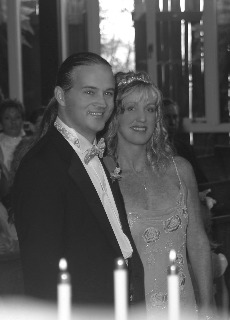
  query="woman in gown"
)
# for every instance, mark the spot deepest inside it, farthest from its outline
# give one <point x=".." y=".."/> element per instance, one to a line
<point x="160" y="195"/>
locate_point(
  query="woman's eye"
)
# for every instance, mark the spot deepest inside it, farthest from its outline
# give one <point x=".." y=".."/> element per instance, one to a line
<point x="151" y="109"/>
<point x="130" y="108"/>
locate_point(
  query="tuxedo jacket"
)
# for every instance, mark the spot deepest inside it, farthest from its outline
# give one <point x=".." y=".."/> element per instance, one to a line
<point x="58" y="214"/>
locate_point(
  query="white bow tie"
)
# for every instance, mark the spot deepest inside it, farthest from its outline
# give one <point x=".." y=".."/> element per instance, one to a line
<point x="96" y="150"/>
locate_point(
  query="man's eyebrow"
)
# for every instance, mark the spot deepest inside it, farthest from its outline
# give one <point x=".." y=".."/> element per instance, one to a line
<point x="96" y="88"/>
<point x="89" y="87"/>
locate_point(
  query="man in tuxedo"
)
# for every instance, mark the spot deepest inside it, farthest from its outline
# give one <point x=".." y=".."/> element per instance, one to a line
<point x="64" y="201"/>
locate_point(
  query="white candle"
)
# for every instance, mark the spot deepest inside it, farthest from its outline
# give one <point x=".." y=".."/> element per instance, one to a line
<point x="120" y="290"/>
<point x="173" y="288"/>
<point x="64" y="292"/>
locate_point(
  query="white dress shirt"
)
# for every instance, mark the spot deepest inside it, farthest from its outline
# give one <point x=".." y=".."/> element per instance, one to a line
<point x="99" y="179"/>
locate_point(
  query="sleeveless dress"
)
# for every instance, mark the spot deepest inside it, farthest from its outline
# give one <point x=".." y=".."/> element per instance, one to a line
<point x="155" y="235"/>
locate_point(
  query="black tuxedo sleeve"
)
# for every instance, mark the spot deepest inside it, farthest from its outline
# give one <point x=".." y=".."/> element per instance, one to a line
<point x="38" y="207"/>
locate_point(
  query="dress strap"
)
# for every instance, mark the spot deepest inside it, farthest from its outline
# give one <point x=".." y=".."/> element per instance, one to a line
<point x="177" y="172"/>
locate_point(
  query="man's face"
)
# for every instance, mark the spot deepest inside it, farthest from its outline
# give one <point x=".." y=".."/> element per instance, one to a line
<point x="12" y="122"/>
<point x="89" y="103"/>
<point x="171" y="117"/>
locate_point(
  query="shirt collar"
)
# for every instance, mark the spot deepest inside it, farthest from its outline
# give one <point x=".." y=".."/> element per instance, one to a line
<point x="73" y="136"/>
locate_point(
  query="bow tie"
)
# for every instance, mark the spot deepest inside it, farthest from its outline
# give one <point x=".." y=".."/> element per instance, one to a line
<point x="96" y="150"/>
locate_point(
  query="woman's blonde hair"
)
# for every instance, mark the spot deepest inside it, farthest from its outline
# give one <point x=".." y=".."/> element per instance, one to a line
<point x="158" y="148"/>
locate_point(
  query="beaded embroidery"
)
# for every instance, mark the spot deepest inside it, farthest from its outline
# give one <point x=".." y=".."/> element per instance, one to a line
<point x="95" y="150"/>
<point x="151" y="235"/>
<point x="131" y="79"/>
<point x="172" y="224"/>
<point x="156" y="234"/>
<point x="158" y="299"/>
<point x="67" y="135"/>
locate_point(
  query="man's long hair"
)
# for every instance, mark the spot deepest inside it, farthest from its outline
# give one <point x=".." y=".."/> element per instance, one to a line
<point x="64" y="80"/>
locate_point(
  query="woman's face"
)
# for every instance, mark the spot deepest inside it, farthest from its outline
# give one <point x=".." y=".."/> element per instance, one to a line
<point x="12" y="122"/>
<point x="137" y="122"/>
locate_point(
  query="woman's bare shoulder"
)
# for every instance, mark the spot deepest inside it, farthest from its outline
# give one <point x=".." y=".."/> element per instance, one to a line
<point x="184" y="168"/>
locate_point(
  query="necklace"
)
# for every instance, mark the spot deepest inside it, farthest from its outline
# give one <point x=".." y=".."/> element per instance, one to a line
<point x="141" y="178"/>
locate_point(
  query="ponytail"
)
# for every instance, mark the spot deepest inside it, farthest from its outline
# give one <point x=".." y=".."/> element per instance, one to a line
<point x="48" y="119"/>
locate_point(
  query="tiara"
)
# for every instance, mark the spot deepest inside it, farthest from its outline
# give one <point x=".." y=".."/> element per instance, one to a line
<point x="131" y="79"/>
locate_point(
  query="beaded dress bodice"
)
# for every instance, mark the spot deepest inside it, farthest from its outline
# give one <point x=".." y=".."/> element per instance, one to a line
<point x="155" y="234"/>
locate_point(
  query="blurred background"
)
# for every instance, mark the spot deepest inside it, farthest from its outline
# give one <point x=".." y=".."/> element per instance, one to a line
<point x="183" y="44"/>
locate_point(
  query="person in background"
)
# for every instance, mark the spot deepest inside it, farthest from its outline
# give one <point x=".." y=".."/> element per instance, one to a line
<point x="36" y="118"/>
<point x="33" y="124"/>
<point x="26" y="143"/>
<point x="8" y="241"/>
<point x="21" y="149"/>
<point x="11" y="118"/>
<point x="64" y="202"/>
<point x="172" y="122"/>
<point x="220" y="263"/>
<point x="1" y="95"/>
<point x="11" y="280"/>
<point x="171" y="118"/>
<point x="160" y="194"/>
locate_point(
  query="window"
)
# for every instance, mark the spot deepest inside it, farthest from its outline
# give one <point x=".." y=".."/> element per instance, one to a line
<point x="187" y="52"/>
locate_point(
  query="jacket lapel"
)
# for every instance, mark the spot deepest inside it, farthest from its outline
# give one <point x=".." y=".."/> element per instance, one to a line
<point x="83" y="181"/>
<point x="119" y="202"/>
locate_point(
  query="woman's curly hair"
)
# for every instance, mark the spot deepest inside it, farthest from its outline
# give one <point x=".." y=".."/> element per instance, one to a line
<point x="158" y="149"/>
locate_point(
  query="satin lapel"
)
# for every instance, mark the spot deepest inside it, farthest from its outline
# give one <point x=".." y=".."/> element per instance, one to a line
<point x="83" y="182"/>
<point x="119" y="202"/>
